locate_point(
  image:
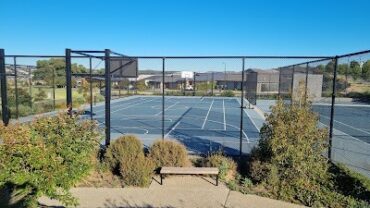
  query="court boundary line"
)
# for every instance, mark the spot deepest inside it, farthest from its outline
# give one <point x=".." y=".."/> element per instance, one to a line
<point x="157" y="114"/>
<point x="205" y="120"/>
<point x="344" y="124"/>
<point x="250" y="118"/>
<point x="146" y="101"/>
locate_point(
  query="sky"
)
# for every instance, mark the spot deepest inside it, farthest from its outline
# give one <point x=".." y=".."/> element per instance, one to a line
<point x="188" y="27"/>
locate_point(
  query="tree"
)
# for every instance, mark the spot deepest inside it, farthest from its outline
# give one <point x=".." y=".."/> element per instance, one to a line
<point x="329" y="68"/>
<point x="45" y="69"/>
<point x="40" y="95"/>
<point x="366" y="70"/>
<point x="355" y="69"/>
<point x="343" y="69"/>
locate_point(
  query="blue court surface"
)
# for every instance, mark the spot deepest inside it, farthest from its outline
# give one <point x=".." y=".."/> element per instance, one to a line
<point x="202" y="124"/>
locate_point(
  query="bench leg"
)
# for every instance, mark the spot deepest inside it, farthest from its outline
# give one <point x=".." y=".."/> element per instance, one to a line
<point x="161" y="179"/>
<point x="217" y="180"/>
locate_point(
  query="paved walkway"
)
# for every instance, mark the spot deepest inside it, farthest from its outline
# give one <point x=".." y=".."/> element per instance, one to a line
<point x="177" y="191"/>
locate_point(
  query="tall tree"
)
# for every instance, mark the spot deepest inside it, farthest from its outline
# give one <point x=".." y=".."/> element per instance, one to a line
<point x="45" y="69"/>
<point x="366" y="70"/>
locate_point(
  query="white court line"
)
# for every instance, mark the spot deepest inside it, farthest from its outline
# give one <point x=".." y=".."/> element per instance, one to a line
<point x="233" y="127"/>
<point x="131" y="106"/>
<point x="205" y="120"/>
<point x="223" y="106"/>
<point x="173" y="128"/>
<point x="366" y="132"/>
<point x="124" y="103"/>
<point x="157" y="114"/>
<point x="344" y="134"/>
<point x="250" y="118"/>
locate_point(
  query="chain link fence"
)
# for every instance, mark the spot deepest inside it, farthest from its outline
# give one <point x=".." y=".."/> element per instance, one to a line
<point x="208" y="103"/>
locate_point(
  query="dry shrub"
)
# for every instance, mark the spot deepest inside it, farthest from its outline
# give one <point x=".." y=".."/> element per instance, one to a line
<point x="125" y="157"/>
<point x="169" y="153"/>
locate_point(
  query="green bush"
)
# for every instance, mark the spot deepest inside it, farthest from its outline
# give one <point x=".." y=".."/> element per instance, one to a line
<point x="288" y="161"/>
<point x="47" y="157"/>
<point x="226" y="165"/>
<point x="227" y="93"/>
<point x="168" y="153"/>
<point x="125" y="157"/>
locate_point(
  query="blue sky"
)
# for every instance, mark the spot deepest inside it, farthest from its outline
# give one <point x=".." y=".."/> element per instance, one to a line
<point x="191" y="27"/>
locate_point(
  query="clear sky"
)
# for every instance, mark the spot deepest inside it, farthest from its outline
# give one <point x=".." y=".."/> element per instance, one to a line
<point x="191" y="27"/>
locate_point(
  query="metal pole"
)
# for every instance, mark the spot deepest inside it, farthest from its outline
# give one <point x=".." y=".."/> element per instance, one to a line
<point x="213" y="79"/>
<point x="4" y="96"/>
<point x="69" y="81"/>
<point x="163" y="77"/>
<point x="30" y="82"/>
<point x="292" y="86"/>
<point x="16" y="88"/>
<point x="306" y="85"/>
<point x="91" y="90"/>
<point x="194" y="75"/>
<point x="54" y="88"/>
<point x="279" y="87"/>
<point x="119" y="88"/>
<point x="241" y="111"/>
<point x="332" y="107"/>
<point x="107" y="97"/>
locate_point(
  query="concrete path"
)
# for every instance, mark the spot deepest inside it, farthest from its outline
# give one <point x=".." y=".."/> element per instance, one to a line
<point x="177" y="191"/>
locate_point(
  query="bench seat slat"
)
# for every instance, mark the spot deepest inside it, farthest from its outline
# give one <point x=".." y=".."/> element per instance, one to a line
<point x="189" y="170"/>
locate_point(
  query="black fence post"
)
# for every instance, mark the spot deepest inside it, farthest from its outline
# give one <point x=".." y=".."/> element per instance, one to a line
<point x="292" y="87"/>
<point x="331" y="124"/>
<point x="107" y="96"/>
<point x="54" y="102"/>
<point x="16" y="88"/>
<point x="241" y="111"/>
<point x="194" y="79"/>
<point x="279" y="87"/>
<point x="69" y="80"/>
<point x="306" y="85"/>
<point x="212" y="82"/>
<point x="4" y="96"/>
<point x="163" y="79"/>
<point x="91" y="89"/>
<point x="30" y="82"/>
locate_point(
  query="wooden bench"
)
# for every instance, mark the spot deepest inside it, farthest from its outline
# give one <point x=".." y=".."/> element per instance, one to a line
<point x="188" y="171"/>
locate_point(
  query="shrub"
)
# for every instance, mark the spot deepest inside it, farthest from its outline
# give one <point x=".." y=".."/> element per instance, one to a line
<point x="289" y="161"/>
<point x="123" y="148"/>
<point x="137" y="171"/>
<point x="226" y="165"/>
<point x="227" y="93"/>
<point x="47" y="157"/>
<point x="168" y="153"/>
<point x="125" y="157"/>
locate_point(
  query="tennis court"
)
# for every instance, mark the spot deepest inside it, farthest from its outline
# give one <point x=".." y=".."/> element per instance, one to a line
<point x="203" y="124"/>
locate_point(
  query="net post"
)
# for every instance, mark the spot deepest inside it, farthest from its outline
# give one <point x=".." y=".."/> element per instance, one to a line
<point x="107" y="80"/>
<point x="331" y="124"/>
<point x="241" y="111"/>
<point x="69" y="80"/>
<point x="4" y="96"/>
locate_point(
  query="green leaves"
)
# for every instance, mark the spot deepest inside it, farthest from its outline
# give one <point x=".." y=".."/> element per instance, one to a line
<point x="47" y="157"/>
